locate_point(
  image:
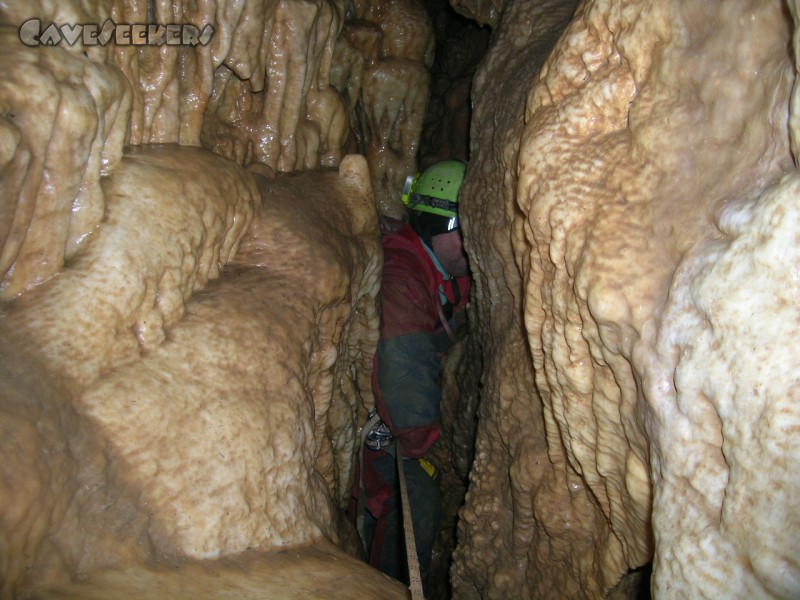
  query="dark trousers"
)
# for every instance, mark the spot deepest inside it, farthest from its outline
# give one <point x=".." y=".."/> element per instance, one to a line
<point x="385" y="533"/>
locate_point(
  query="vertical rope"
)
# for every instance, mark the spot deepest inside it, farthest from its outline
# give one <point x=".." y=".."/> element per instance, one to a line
<point x="414" y="577"/>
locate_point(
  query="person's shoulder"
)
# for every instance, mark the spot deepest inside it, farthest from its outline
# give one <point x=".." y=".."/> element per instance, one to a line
<point x="403" y="243"/>
<point x="400" y="236"/>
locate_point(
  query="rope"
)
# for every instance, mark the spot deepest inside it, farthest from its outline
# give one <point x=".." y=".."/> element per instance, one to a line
<point x="414" y="577"/>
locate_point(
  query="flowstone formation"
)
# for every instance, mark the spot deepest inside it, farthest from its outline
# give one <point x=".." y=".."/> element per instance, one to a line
<point x="647" y="412"/>
<point x="294" y="85"/>
<point x="182" y="398"/>
<point x="382" y="67"/>
<point x="187" y="343"/>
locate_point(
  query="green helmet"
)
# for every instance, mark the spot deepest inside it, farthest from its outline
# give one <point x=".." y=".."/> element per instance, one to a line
<point x="436" y="190"/>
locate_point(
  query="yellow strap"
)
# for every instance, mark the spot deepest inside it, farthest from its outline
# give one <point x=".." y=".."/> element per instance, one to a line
<point x="428" y="467"/>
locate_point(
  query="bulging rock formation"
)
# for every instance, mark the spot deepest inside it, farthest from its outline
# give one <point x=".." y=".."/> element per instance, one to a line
<point x="187" y="344"/>
<point x="383" y="60"/>
<point x="190" y="260"/>
<point x="647" y="181"/>
<point x="152" y="428"/>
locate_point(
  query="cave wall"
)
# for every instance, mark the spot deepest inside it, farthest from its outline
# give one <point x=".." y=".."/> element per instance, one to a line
<point x="188" y="387"/>
<point x="287" y="84"/>
<point x="650" y="193"/>
<point x="510" y="451"/>
<point x="186" y="342"/>
<point x="382" y="67"/>
<point x="460" y="45"/>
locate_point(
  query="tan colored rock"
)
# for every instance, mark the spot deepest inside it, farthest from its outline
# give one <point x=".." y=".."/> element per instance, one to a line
<point x="650" y="161"/>
<point x="288" y="116"/>
<point x="387" y="53"/>
<point x="498" y="527"/>
<point x="116" y="321"/>
<point x="319" y="571"/>
<point x="405" y="26"/>
<point x="483" y="12"/>
<point x="64" y="123"/>
<point x="191" y="418"/>
<point x="186" y="345"/>
<point x="143" y="264"/>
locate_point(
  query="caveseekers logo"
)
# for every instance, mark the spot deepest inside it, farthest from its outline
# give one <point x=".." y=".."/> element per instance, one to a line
<point x="33" y="33"/>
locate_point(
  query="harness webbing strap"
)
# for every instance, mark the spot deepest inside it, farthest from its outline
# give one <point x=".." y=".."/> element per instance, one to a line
<point x="414" y="577"/>
<point x="447" y="329"/>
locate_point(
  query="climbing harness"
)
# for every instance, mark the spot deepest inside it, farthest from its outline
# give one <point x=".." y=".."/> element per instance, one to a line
<point x="373" y="421"/>
<point x="379" y="436"/>
<point x="443" y="301"/>
<point x="445" y="324"/>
